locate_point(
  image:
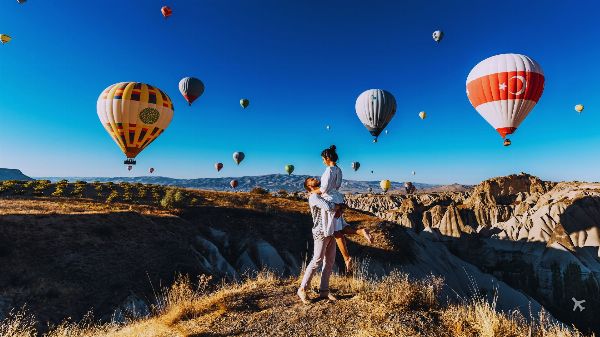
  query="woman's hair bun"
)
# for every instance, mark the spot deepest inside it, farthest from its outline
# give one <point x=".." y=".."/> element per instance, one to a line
<point x="332" y="147"/>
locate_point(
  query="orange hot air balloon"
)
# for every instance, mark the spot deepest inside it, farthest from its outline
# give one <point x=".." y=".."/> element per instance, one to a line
<point x="166" y="11"/>
<point x="504" y="89"/>
<point x="233" y="183"/>
<point x="218" y="166"/>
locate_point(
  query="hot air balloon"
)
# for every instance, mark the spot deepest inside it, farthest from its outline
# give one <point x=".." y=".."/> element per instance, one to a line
<point x="166" y="11"/>
<point x="370" y="189"/>
<point x="129" y="168"/>
<point x="233" y="183"/>
<point x="5" y="38"/>
<point x="438" y="35"/>
<point x="21" y="1"/>
<point x="385" y="185"/>
<point x="504" y="89"/>
<point x="191" y="88"/>
<point x="328" y="127"/>
<point x="238" y="157"/>
<point x="134" y="114"/>
<point x="413" y="173"/>
<point x="355" y="165"/>
<point x="371" y="171"/>
<point x="289" y="169"/>
<point x="375" y="108"/>
<point x="579" y="108"/>
<point x="422" y="115"/>
<point x="409" y="187"/>
<point x="218" y="166"/>
<point x="151" y="170"/>
<point x="244" y="102"/>
<point x="386" y="131"/>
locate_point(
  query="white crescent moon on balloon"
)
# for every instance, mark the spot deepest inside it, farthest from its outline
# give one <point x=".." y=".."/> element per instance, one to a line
<point x="522" y="79"/>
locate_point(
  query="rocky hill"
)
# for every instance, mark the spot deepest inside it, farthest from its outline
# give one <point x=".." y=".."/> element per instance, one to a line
<point x="271" y="182"/>
<point x="12" y="174"/>
<point x="69" y="248"/>
<point x="540" y="237"/>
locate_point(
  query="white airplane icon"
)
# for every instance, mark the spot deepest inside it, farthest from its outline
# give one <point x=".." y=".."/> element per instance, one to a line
<point x="578" y="304"/>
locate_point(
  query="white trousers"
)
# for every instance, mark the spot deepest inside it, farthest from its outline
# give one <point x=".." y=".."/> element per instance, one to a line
<point x="324" y="252"/>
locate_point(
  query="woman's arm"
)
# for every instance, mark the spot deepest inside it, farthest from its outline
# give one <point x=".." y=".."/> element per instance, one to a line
<point x="326" y="180"/>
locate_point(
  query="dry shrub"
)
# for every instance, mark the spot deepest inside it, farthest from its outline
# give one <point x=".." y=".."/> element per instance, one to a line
<point x="18" y="324"/>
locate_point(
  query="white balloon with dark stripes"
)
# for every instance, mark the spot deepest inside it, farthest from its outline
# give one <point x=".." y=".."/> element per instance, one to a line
<point x="375" y="108"/>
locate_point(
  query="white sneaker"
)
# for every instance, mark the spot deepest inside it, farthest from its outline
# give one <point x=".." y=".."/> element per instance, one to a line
<point x="303" y="297"/>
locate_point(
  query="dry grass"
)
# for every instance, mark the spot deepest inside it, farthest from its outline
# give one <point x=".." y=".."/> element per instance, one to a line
<point x="266" y="305"/>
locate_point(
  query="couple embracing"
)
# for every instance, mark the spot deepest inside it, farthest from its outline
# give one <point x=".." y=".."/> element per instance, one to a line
<point x="329" y="228"/>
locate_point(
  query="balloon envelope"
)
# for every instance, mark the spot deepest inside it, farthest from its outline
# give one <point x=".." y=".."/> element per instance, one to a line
<point x="233" y="183"/>
<point x="579" y="108"/>
<point x="191" y="88"/>
<point x="134" y="114"/>
<point x="5" y="38"/>
<point x="244" y="102"/>
<point x="375" y="108"/>
<point x="151" y="170"/>
<point x="218" y="166"/>
<point x="238" y="157"/>
<point x="289" y="169"/>
<point x="438" y="35"/>
<point x="422" y="115"/>
<point x="504" y="89"/>
<point x="166" y="11"/>
<point x="21" y="1"/>
<point x="385" y="185"/>
<point x="409" y="187"/>
<point x="355" y="165"/>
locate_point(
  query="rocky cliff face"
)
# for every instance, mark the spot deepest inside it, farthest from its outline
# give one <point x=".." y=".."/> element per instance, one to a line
<point x="538" y="236"/>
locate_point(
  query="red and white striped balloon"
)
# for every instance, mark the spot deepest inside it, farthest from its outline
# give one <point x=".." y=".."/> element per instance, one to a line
<point x="504" y="89"/>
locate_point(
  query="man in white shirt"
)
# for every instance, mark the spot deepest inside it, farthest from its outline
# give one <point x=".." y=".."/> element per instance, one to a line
<point x="324" y="246"/>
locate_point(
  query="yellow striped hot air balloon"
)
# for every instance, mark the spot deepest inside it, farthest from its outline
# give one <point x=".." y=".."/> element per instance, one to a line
<point x="5" y="38"/>
<point x="134" y="114"/>
<point x="385" y="185"/>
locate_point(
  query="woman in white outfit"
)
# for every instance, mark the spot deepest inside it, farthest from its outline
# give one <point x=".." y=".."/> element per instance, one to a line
<point x="333" y="221"/>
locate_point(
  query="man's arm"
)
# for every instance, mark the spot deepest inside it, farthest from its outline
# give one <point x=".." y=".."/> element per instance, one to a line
<point x="317" y="201"/>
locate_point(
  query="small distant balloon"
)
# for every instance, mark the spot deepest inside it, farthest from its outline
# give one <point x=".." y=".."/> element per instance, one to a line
<point x="355" y="165"/>
<point x="371" y="171"/>
<point x="579" y="108"/>
<point x="218" y="166"/>
<point x="166" y="11"/>
<point x="5" y="38"/>
<point x="129" y="168"/>
<point x="409" y="188"/>
<point x="289" y="169"/>
<point x="238" y="157"/>
<point x="422" y="115"/>
<point x="413" y="173"/>
<point x="370" y="189"/>
<point x="438" y="35"/>
<point x="328" y="127"/>
<point x="191" y="88"/>
<point x="21" y="1"/>
<point x="233" y="183"/>
<point x="244" y="102"/>
<point x="385" y="185"/>
<point x="151" y="170"/>
<point x="386" y="132"/>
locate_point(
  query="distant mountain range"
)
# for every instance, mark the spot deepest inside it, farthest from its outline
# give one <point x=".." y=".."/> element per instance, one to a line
<point x="12" y="174"/>
<point x="271" y="182"/>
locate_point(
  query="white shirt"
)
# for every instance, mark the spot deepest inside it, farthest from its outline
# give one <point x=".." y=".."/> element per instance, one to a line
<point x="319" y="209"/>
<point x="331" y="181"/>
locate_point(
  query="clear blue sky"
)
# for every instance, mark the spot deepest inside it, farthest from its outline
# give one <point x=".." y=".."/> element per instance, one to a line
<point x="302" y="64"/>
